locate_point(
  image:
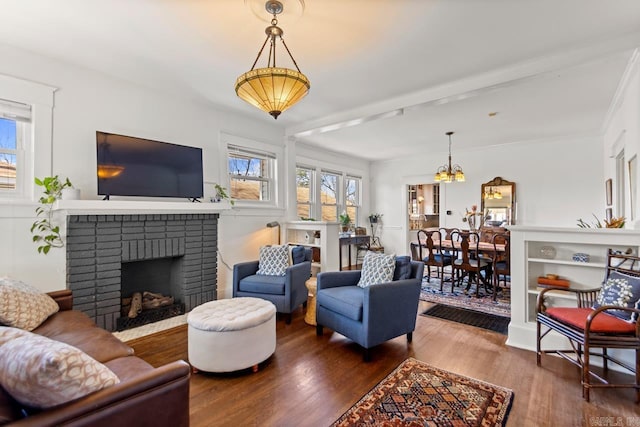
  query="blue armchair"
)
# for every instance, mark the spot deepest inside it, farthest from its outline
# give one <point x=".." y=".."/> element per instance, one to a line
<point x="286" y="292"/>
<point x="372" y="315"/>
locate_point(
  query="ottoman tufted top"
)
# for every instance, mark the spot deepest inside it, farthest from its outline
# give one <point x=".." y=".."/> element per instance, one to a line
<point x="232" y="314"/>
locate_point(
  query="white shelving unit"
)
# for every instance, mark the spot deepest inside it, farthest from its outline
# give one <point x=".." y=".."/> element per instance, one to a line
<point x="296" y="232"/>
<point x="529" y="261"/>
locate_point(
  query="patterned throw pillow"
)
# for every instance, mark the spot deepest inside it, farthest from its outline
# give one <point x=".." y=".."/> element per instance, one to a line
<point x="377" y="268"/>
<point x="621" y="290"/>
<point x="274" y="260"/>
<point x="24" y="306"/>
<point x="41" y="373"/>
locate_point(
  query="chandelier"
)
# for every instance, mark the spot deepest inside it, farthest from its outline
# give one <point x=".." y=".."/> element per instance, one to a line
<point x="492" y="194"/>
<point x="272" y="89"/>
<point x="448" y="173"/>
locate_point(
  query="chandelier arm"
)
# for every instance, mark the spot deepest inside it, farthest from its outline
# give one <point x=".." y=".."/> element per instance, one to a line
<point x="259" y="53"/>
<point x="290" y="56"/>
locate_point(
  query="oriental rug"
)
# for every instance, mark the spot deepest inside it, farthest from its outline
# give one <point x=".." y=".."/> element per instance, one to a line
<point x="487" y="321"/>
<point x="417" y="394"/>
<point x="459" y="298"/>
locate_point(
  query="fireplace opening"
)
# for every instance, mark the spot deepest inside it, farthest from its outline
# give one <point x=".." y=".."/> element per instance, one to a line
<point x="150" y="291"/>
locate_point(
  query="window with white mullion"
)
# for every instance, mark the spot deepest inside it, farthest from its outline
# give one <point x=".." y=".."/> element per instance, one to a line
<point x="305" y="191"/>
<point x="251" y="174"/>
<point x="352" y="199"/>
<point x="330" y="194"/>
<point x="13" y="145"/>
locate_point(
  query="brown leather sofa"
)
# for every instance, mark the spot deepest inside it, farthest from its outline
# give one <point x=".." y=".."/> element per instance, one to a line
<point x="145" y="396"/>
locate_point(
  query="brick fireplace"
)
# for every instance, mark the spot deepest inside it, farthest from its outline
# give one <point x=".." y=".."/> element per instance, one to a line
<point x="99" y="245"/>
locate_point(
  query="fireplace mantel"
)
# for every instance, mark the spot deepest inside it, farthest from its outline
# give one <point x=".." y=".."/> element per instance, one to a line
<point x="133" y="207"/>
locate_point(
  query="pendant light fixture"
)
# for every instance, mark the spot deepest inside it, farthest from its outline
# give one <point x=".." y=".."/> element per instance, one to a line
<point x="449" y="173"/>
<point x="273" y="89"/>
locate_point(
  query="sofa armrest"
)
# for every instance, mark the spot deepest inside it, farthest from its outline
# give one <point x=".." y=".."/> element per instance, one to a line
<point x="64" y="299"/>
<point x="332" y="279"/>
<point x="155" y="398"/>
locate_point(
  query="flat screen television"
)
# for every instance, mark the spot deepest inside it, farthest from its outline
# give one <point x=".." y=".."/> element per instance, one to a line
<point x="129" y="166"/>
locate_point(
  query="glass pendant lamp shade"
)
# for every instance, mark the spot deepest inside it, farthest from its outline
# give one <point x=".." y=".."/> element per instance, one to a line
<point x="272" y="89"/>
<point x="448" y="172"/>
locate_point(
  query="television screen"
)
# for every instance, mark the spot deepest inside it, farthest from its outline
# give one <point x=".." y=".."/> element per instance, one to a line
<point x="129" y="166"/>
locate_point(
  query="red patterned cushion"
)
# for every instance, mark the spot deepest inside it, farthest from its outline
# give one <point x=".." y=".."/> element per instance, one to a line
<point x="603" y="323"/>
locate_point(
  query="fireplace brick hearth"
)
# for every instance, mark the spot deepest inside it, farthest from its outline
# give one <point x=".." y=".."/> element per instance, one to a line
<point x="97" y="245"/>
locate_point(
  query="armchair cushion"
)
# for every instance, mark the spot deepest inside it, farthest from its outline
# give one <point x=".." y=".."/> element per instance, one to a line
<point x="602" y="323"/>
<point x="263" y="284"/>
<point x="622" y="290"/>
<point x="403" y="268"/>
<point x="273" y="261"/>
<point x="344" y="300"/>
<point x="377" y="268"/>
<point x="24" y="306"/>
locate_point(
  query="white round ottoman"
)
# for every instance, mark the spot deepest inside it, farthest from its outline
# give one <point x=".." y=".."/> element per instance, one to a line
<point x="231" y="334"/>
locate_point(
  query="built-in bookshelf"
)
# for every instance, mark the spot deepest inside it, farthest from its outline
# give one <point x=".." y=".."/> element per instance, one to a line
<point x="324" y="247"/>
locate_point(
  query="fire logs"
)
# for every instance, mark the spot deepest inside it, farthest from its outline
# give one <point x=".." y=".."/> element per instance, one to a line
<point x="138" y="302"/>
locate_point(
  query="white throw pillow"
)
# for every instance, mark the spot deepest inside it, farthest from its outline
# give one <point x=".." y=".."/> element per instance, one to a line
<point x="24" y="306"/>
<point x="273" y="261"/>
<point x="377" y="268"/>
<point x="41" y="373"/>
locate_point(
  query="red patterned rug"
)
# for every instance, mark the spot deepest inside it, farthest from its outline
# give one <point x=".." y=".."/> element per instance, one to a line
<point x="417" y="394"/>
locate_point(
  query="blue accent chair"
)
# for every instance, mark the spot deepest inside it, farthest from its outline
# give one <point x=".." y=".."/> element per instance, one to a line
<point x="286" y="292"/>
<point x="372" y="315"/>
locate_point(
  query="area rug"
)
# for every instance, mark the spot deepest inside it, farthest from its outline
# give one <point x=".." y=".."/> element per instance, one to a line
<point x="487" y="321"/>
<point x="417" y="394"/>
<point x="459" y="298"/>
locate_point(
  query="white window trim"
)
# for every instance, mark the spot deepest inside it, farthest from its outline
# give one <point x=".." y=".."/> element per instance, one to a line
<point x="38" y="156"/>
<point x="276" y="192"/>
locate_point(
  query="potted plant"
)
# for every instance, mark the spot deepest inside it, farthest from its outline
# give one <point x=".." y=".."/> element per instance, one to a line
<point x="375" y="217"/>
<point x="45" y="232"/>
<point x="221" y="194"/>
<point x="345" y="221"/>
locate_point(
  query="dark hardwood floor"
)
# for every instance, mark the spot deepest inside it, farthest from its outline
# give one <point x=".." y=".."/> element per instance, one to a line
<point x="311" y="381"/>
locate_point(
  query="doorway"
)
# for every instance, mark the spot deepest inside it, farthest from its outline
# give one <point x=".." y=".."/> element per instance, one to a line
<point x="423" y="207"/>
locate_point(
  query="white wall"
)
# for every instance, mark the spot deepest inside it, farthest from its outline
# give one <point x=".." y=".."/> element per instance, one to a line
<point x="622" y="134"/>
<point x="557" y="182"/>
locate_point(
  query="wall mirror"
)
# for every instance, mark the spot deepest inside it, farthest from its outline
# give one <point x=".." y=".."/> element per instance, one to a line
<point x="498" y="202"/>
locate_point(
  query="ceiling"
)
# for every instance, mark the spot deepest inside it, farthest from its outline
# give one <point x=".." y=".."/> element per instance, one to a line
<point x="547" y="68"/>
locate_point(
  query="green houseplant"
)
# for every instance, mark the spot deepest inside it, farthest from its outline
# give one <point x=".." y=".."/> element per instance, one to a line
<point x="345" y="220"/>
<point x="221" y="194"/>
<point x="375" y="217"/>
<point x="44" y="231"/>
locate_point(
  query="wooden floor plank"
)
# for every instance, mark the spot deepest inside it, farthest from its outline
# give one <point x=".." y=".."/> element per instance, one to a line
<point x="311" y="381"/>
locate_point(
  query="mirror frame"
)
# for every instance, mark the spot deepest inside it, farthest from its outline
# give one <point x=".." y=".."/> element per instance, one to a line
<point x="495" y="182"/>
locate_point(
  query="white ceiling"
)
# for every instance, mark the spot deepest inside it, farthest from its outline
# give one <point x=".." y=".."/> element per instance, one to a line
<point x="549" y="68"/>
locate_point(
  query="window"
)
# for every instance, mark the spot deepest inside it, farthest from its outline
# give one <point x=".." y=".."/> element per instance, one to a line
<point x="251" y="174"/>
<point x="352" y="196"/>
<point x="14" y="143"/>
<point x="305" y="184"/>
<point x="329" y="185"/>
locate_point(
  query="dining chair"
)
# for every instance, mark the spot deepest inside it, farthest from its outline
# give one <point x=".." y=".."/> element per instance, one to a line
<point x="467" y="262"/>
<point x="434" y="255"/>
<point x="501" y="262"/>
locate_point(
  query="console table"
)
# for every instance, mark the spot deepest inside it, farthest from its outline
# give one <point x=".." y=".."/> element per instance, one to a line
<point x="349" y="241"/>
